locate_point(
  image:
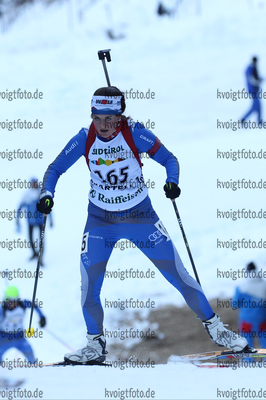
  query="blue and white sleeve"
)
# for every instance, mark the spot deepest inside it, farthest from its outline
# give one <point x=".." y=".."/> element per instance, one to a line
<point x="74" y="149"/>
<point x="147" y="142"/>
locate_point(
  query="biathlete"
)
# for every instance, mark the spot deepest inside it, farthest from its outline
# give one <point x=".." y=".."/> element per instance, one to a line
<point x="250" y="297"/>
<point x="119" y="207"/>
<point x="12" y="313"/>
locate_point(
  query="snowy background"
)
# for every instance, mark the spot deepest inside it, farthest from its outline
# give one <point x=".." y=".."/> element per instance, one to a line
<point x="184" y="59"/>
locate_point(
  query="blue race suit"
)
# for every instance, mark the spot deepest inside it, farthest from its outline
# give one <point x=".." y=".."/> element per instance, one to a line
<point x="139" y="224"/>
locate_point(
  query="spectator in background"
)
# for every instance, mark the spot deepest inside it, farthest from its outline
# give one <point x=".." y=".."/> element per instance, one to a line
<point x="249" y="297"/>
<point x="162" y="10"/>
<point x="12" y="334"/>
<point x="34" y="218"/>
<point x="253" y="85"/>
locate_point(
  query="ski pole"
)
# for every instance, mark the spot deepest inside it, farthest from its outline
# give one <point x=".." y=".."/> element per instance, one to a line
<point x="102" y="54"/>
<point x="59" y="339"/>
<point x="186" y="242"/>
<point x="30" y="330"/>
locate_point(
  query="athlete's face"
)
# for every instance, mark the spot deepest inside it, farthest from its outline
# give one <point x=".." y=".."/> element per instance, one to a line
<point x="12" y="304"/>
<point x="105" y="124"/>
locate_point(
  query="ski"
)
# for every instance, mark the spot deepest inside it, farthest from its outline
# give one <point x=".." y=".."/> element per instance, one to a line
<point x="88" y="364"/>
<point x="227" y="354"/>
<point x="223" y="359"/>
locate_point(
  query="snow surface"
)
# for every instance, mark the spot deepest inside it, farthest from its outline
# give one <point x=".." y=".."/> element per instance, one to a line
<point x="184" y="60"/>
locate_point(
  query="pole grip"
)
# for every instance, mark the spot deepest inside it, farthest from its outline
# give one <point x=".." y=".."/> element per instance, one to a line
<point x="102" y="54"/>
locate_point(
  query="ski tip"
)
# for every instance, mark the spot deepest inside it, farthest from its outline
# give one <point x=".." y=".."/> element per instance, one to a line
<point x="249" y="354"/>
<point x="246" y="350"/>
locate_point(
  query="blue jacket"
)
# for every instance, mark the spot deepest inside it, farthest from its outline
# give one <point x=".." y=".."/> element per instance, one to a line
<point x="253" y="79"/>
<point x="250" y="298"/>
<point x="75" y="148"/>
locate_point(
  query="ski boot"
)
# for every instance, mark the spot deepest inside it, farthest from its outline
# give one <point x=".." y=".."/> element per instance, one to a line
<point x="223" y="337"/>
<point x="93" y="353"/>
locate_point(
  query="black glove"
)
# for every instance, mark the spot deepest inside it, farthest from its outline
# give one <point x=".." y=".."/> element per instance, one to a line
<point x="171" y="190"/>
<point x="42" y="322"/>
<point x="45" y="205"/>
